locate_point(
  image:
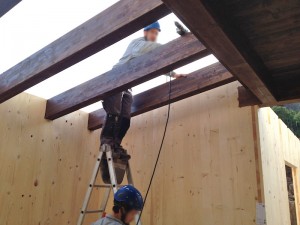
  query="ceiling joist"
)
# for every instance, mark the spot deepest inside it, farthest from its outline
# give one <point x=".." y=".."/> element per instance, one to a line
<point x="199" y="81"/>
<point x="160" y="61"/>
<point x="101" y="31"/>
<point x="226" y="43"/>
<point x="246" y="98"/>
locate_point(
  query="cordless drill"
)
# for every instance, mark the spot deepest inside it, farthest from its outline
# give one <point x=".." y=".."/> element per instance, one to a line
<point x="180" y="29"/>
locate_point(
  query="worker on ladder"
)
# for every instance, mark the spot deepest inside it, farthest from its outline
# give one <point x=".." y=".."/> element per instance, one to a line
<point x="128" y="201"/>
<point x="118" y="106"/>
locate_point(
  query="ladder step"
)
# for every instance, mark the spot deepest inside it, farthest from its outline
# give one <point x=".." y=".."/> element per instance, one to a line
<point x="106" y="185"/>
<point x="102" y="185"/>
<point x="94" y="211"/>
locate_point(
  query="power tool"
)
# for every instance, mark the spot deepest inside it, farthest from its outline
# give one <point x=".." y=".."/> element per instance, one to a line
<point x="180" y="29"/>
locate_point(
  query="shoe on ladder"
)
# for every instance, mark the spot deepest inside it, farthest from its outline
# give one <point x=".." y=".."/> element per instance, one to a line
<point x="120" y="159"/>
<point x="120" y="153"/>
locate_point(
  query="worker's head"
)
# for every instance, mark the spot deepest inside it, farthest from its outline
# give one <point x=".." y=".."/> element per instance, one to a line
<point x="151" y="31"/>
<point x="128" y="201"/>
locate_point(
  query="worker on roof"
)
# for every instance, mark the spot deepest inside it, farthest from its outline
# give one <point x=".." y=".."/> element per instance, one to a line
<point x="128" y="202"/>
<point x="118" y="106"/>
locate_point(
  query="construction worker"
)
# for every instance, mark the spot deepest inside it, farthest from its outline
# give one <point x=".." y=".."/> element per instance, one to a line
<point x="118" y="106"/>
<point x="128" y="202"/>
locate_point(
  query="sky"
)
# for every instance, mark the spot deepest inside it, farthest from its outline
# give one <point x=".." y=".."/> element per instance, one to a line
<point x="33" y="24"/>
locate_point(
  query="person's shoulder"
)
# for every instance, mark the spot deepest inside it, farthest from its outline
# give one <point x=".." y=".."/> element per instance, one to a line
<point x="137" y="40"/>
<point x="99" y="222"/>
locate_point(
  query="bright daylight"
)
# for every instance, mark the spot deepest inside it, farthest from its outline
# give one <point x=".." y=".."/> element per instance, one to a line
<point x="25" y="33"/>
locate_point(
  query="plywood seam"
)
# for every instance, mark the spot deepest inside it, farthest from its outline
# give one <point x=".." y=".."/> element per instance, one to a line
<point x="257" y="152"/>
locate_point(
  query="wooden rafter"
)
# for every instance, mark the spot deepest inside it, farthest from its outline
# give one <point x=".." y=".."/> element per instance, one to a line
<point x="159" y="61"/>
<point x="246" y="98"/>
<point x="106" y="28"/>
<point x="227" y="44"/>
<point x="199" y="81"/>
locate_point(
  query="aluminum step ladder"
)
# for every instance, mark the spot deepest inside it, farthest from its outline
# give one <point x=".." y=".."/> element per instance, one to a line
<point x="104" y="150"/>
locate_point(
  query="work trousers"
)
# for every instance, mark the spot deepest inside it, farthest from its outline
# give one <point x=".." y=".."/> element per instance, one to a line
<point x="118" y="106"/>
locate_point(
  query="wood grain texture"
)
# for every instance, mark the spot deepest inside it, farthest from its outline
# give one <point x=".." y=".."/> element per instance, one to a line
<point x="278" y="146"/>
<point x="288" y="87"/>
<point x="138" y="70"/>
<point x="106" y="28"/>
<point x="199" y="81"/>
<point x="45" y="166"/>
<point x="227" y="44"/>
<point x="272" y="30"/>
<point x="246" y="98"/>
<point x="207" y="162"/>
<point x="6" y="5"/>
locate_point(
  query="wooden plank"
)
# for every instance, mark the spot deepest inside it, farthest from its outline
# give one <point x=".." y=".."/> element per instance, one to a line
<point x="207" y="162"/>
<point x="207" y="159"/>
<point x="199" y="81"/>
<point x="99" y="32"/>
<point x="228" y="45"/>
<point x="246" y="98"/>
<point x="159" y="61"/>
<point x="288" y="87"/>
<point x="6" y="5"/>
<point x="42" y="172"/>
<point x="279" y="147"/>
<point x="274" y="38"/>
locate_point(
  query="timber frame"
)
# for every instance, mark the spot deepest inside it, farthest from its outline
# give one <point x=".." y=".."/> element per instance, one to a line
<point x="267" y="79"/>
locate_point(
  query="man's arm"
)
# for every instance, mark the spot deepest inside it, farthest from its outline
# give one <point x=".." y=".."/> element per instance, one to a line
<point x="143" y="46"/>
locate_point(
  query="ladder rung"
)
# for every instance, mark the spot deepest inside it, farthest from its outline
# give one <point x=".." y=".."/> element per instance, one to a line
<point x="105" y="150"/>
<point x="106" y="185"/>
<point x="102" y="185"/>
<point x="94" y="211"/>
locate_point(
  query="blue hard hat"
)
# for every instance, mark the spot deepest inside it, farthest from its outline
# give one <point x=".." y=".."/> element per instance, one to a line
<point x="154" y="25"/>
<point x="129" y="197"/>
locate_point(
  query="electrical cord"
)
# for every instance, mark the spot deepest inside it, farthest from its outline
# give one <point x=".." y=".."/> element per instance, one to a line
<point x="159" y="152"/>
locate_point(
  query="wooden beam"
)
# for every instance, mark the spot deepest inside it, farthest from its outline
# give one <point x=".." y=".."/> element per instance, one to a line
<point x="246" y="98"/>
<point x="101" y="31"/>
<point x="287" y="87"/>
<point x="159" y="61"/>
<point x="199" y="81"/>
<point x="227" y="44"/>
<point x="6" y="5"/>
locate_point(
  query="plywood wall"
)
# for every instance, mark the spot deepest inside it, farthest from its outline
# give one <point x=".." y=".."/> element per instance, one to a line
<point x="206" y="174"/>
<point x="44" y="165"/>
<point x="207" y="171"/>
<point x="279" y="147"/>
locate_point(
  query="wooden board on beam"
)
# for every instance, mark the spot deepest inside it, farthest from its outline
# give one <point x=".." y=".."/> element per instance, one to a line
<point x="199" y="81"/>
<point x="231" y="49"/>
<point x="6" y="5"/>
<point x="101" y="31"/>
<point x="247" y="98"/>
<point x="157" y="62"/>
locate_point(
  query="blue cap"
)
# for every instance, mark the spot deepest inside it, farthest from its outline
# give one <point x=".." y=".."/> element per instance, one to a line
<point x="154" y="25"/>
<point x="129" y="197"/>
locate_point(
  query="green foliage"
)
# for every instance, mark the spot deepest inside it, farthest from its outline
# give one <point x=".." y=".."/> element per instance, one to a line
<point x="290" y="117"/>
